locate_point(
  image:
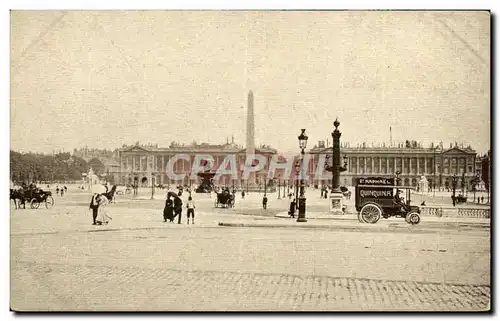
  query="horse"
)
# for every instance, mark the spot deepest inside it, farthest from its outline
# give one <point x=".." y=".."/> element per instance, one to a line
<point x="110" y="195"/>
<point x="18" y="195"/>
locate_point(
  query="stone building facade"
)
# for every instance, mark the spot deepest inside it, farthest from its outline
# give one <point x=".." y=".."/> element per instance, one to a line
<point x="437" y="165"/>
<point x="142" y="163"/>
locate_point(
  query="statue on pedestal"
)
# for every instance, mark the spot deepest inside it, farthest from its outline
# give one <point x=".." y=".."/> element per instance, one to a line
<point x="423" y="184"/>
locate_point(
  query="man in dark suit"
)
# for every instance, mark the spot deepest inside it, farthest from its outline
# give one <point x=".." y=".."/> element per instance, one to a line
<point x="94" y="206"/>
<point x="178" y="208"/>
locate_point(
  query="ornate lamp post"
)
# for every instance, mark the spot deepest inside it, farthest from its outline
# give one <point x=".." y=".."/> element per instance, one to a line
<point x="336" y="169"/>
<point x="474" y="184"/>
<point x="295" y="186"/>
<point x="398" y="180"/>
<point x="434" y="171"/>
<point x="279" y="188"/>
<point x="489" y="176"/>
<point x="190" y="183"/>
<point x="152" y="185"/>
<point x="302" y="199"/>
<point x="454" y="187"/>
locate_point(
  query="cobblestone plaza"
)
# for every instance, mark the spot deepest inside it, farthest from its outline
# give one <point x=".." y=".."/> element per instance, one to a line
<point x="60" y="262"/>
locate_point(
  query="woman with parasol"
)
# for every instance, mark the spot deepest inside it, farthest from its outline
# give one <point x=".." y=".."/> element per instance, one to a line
<point x="101" y="200"/>
<point x="168" y="211"/>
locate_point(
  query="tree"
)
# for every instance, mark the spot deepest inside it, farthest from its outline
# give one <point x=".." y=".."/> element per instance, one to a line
<point x="485" y="163"/>
<point x="39" y="167"/>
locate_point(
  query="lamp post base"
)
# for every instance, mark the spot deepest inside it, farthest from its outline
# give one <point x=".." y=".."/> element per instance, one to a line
<point x="302" y="210"/>
<point x="336" y="203"/>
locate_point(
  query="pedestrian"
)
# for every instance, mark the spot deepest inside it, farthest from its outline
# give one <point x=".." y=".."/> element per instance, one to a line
<point x="291" y="212"/>
<point x="62" y="192"/>
<point x="242" y="195"/>
<point x="326" y="194"/>
<point x="478" y="198"/>
<point x="168" y="211"/>
<point x="482" y="199"/>
<point x="65" y="189"/>
<point x="102" y="216"/>
<point x="57" y="190"/>
<point x="264" y="202"/>
<point x="94" y="206"/>
<point x="178" y="209"/>
<point x="322" y="193"/>
<point x="190" y="209"/>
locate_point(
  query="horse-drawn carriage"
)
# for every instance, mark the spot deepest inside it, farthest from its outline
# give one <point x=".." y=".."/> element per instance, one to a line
<point x="459" y="199"/>
<point x="378" y="197"/>
<point x="38" y="196"/>
<point x="34" y="196"/>
<point x="225" y="199"/>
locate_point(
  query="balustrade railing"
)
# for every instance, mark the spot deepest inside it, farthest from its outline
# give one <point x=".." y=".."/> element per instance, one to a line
<point x="440" y="211"/>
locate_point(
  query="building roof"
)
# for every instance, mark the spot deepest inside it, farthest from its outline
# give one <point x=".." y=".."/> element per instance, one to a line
<point x="199" y="148"/>
<point x="391" y="150"/>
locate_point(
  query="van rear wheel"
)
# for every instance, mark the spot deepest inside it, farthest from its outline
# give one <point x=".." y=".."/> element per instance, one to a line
<point x="371" y="213"/>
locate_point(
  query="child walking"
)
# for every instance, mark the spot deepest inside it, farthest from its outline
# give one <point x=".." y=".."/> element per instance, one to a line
<point x="190" y="209"/>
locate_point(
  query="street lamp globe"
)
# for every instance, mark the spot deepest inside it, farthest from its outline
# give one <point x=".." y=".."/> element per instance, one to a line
<point x="303" y="139"/>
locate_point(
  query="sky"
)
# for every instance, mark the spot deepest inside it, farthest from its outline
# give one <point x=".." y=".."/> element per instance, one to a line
<point x="108" y="78"/>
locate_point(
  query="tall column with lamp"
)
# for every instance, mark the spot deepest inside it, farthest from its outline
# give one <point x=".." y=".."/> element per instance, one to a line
<point x="302" y="199"/>
<point x="336" y="169"/>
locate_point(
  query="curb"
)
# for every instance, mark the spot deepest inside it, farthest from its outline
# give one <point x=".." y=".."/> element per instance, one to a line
<point x="353" y="218"/>
<point x="294" y="226"/>
<point x="366" y="228"/>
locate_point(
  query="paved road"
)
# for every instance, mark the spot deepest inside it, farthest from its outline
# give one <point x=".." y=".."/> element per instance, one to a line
<point x="61" y="262"/>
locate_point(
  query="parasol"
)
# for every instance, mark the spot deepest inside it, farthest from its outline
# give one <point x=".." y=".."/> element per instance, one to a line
<point x="98" y="189"/>
<point x="172" y="194"/>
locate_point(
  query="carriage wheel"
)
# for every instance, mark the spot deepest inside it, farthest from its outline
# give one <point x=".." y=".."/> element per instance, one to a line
<point x="49" y="202"/>
<point x="34" y="204"/>
<point x="413" y="218"/>
<point x="360" y="218"/>
<point x="371" y="213"/>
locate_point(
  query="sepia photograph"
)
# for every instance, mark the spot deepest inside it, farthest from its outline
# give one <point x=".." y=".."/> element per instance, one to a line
<point x="250" y="160"/>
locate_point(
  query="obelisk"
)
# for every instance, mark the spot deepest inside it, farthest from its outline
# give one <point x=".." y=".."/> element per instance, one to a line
<point x="250" y="148"/>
